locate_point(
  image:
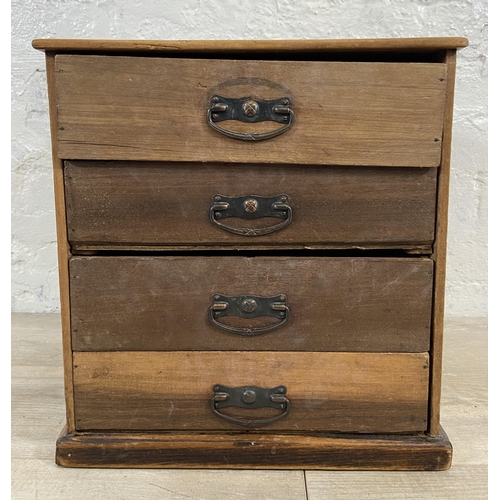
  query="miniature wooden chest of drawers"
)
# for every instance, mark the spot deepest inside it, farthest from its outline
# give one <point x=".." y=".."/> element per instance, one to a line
<point x="252" y="241"/>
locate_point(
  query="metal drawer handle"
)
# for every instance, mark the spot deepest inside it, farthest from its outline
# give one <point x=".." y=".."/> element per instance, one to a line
<point x="248" y="306"/>
<point x="247" y="109"/>
<point x="250" y="397"/>
<point x="250" y="207"/>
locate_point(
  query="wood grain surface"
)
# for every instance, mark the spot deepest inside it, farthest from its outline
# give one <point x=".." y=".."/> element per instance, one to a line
<point x="336" y="304"/>
<point x="243" y="46"/>
<point x="327" y="452"/>
<point x="63" y="246"/>
<point x="439" y="252"/>
<point x="138" y="203"/>
<point x="342" y="392"/>
<point x="359" y="113"/>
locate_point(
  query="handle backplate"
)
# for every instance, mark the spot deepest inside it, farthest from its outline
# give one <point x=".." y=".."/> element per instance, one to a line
<point x="248" y="306"/>
<point x="250" y="110"/>
<point x="250" y="397"/>
<point x="250" y="207"/>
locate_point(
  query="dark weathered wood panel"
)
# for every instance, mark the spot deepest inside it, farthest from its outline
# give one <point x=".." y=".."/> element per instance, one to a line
<point x="254" y="451"/>
<point x="161" y="203"/>
<point x="344" y="392"/>
<point x="337" y="304"/>
<point x="347" y="113"/>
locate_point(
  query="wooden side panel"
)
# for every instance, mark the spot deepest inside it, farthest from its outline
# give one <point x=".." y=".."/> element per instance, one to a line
<point x="131" y="203"/>
<point x="346" y="113"/>
<point x="439" y="254"/>
<point x="63" y="247"/>
<point x="336" y="304"/>
<point x="342" y="392"/>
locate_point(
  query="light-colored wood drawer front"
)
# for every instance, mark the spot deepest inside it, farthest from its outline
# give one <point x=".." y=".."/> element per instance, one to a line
<point x="346" y="113"/>
<point x="138" y="203"/>
<point x="345" y="392"/>
<point x="336" y="304"/>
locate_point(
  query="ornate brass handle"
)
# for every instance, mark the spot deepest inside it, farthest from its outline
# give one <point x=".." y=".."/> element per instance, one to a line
<point x="248" y="306"/>
<point x="250" y="110"/>
<point x="250" y="397"/>
<point x="250" y="207"/>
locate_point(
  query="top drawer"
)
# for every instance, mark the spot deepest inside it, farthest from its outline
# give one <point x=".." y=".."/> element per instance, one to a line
<point x="345" y="113"/>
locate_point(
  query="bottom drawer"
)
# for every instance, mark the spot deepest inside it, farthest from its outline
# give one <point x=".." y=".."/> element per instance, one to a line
<point x="325" y="391"/>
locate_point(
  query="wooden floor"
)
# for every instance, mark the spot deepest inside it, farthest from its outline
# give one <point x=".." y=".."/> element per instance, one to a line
<point x="38" y="417"/>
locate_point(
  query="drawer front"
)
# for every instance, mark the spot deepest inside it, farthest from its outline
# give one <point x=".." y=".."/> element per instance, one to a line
<point x="345" y="113"/>
<point x="136" y="203"/>
<point x="168" y="303"/>
<point x="344" y="392"/>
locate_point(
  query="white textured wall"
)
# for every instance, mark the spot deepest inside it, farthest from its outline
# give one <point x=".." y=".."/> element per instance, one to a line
<point x="34" y="271"/>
